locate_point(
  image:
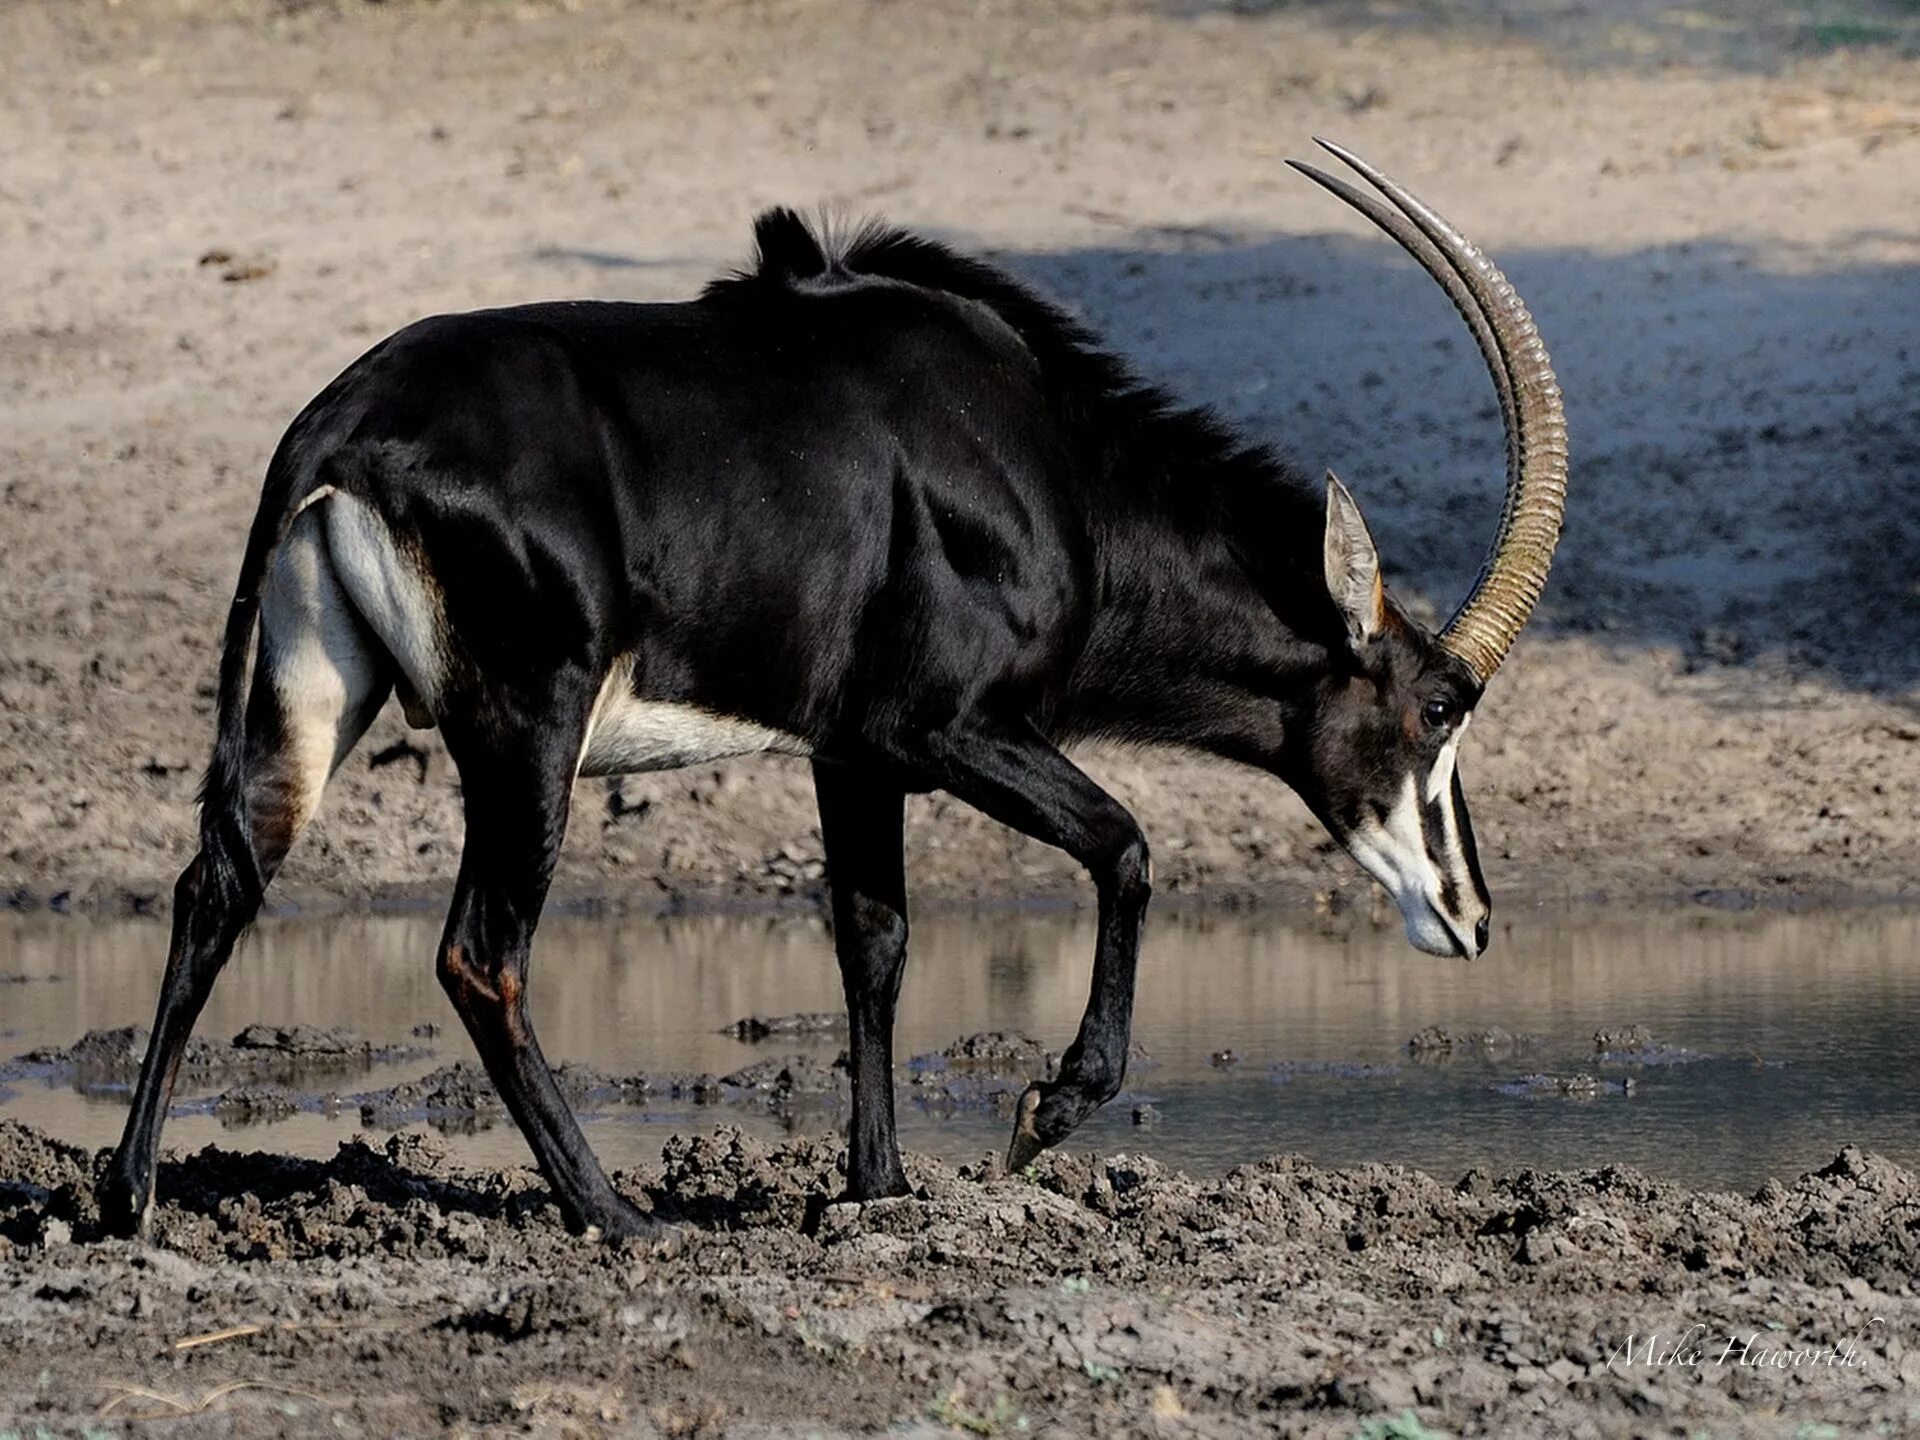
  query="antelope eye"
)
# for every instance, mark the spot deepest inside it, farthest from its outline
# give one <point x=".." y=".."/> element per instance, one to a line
<point x="1437" y="713"/>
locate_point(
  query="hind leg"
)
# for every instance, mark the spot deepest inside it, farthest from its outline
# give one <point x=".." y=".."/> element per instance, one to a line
<point x="319" y="679"/>
<point x="517" y="760"/>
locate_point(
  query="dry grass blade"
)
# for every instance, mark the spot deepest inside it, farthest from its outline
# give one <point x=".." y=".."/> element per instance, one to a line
<point x="178" y="1405"/>
<point x="214" y="1337"/>
<point x="241" y="1332"/>
<point x="135" y="1392"/>
<point x="875" y="1286"/>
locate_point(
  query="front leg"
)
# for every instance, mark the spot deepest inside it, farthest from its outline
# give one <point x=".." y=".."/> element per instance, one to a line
<point x="861" y="820"/>
<point x="1012" y="773"/>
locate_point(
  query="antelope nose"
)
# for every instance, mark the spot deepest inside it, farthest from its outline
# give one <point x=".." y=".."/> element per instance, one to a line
<point x="1480" y="933"/>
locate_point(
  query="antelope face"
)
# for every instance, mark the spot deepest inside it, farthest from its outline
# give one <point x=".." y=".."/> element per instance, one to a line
<point x="1378" y="759"/>
<point x="1386" y="784"/>
<point x="1375" y="753"/>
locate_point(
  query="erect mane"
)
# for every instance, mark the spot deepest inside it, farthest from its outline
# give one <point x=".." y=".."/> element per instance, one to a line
<point x="1177" y="458"/>
<point x="789" y="252"/>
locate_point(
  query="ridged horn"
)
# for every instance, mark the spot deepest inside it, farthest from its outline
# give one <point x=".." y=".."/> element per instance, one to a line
<point x="1484" y="628"/>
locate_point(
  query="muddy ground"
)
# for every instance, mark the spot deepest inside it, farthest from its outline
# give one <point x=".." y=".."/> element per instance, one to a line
<point x="391" y="1289"/>
<point x="384" y="1292"/>
<point x="208" y="207"/>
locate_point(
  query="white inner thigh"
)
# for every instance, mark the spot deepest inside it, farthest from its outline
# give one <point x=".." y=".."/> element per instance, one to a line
<point x="316" y="658"/>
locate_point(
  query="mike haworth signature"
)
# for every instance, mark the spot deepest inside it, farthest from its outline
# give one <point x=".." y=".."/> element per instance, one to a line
<point x="1696" y="1349"/>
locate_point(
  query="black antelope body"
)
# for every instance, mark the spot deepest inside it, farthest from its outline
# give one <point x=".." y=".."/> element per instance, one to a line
<point x="872" y="503"/>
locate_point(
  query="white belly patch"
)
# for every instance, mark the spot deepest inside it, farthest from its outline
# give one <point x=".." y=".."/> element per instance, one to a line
<point x="628" y="734"/>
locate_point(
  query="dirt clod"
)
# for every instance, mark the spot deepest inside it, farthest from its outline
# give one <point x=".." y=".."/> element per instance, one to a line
<point x="1437" y="1042"/>
<point x="1623" y="1039"/>
<point x="759" y="1027"/>
<point x="1281" y="1294"/>
<point x="281" y="1054"/>
<point x="254" y="1104"/>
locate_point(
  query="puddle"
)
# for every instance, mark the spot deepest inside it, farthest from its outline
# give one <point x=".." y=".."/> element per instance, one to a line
<point x="1717" y="1049"/>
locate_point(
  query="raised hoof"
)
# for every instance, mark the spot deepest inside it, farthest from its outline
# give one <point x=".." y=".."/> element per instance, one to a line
<point x="1026" y="1145"/>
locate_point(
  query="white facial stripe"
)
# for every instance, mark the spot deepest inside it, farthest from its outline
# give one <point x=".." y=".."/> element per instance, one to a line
<point x="1404" y="831"/>
<point x="1395" y="852"/>
<point x="1440" y="777"/>
<point x="1440" y="792"/>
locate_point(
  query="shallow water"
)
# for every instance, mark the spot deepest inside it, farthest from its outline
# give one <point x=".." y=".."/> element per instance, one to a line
<point x="1798" y="1030"/>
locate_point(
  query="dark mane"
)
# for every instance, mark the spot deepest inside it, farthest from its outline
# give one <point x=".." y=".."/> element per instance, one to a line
<point x="1183" y="460"/>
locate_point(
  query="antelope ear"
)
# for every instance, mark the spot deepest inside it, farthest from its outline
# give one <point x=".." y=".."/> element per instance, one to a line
<point x="1353" y="566"/>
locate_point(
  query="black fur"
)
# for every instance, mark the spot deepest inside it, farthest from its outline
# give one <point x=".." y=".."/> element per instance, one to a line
<point x="870" y="493"/>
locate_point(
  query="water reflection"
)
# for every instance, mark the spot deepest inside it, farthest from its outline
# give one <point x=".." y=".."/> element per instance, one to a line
<point x="1806" y="1018"/>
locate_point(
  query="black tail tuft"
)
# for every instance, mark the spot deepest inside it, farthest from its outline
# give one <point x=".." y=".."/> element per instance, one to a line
<point x="226" y="830"/>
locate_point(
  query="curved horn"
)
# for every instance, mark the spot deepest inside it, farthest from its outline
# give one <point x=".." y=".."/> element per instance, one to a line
<point x="1483" y="629"/>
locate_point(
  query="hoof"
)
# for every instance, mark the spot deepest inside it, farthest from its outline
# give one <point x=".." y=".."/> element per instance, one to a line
<point x="1026" y="1144"/>
<point x="893" y="1187"/>
<point x="632" y="1226"/>
<point x="125" y="1208"/>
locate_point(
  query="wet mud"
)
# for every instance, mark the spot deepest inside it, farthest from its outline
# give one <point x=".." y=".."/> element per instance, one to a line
<point x="976" y="1072"/>
<point x="269" y="1073"/>
<point x="760" y="1027"/>
<point x="388" y="1290"/>
<point x="1438" y="1043"/>
<point x="108" y="1061"/>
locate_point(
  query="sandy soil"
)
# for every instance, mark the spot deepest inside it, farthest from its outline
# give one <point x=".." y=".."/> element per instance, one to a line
<point x="384" y="1292"/>
<point x="207" y="209"/>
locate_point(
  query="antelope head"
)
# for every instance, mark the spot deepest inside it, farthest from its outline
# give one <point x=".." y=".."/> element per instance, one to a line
<point x="1377" y="760"/>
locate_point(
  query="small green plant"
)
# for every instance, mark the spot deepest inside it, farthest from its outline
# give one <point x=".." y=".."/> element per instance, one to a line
<point x="822" y="1342"/>
<point x="1100" y="1374"/>
<point x="1002" y="1417"/>
<point x="1404" y="1426"/>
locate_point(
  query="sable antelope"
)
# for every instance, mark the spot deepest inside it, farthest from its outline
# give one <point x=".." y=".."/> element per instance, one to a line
<point x="870" y="502"/>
